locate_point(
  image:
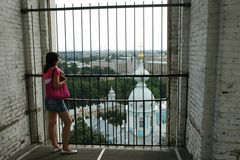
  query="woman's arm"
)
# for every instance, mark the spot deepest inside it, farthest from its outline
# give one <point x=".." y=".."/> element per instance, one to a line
<point x="56" y="81"/>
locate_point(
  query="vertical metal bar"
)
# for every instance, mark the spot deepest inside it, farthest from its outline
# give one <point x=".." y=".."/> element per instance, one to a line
<point x="98" y="120"/>
<point x="43" y="86"/>
<point x="134" y="27"/>
<point x="34" y="79"/>
<point x="56" y="13"/>
<point x="143" y="76"/>
<point x="169" y="80"/>
<point x="73" y="79"/>
<point x="136" y="122"/>
<point x="134" y="34"/>
<point x="116" y="91"/>
<point x="105" y="129"/>
<point x="178" y="78"/>
<point x="83" y="112"/>
<point x="90" y="38"/>
<point x="56" y="16"/>
<point x="124" y="77"/>
<point x="90" y="86"/>
<point x="108" y="36"/>
<point x="126" y="52"/>
<point x="153" y="38"/>
<point x="144" y="120"/>
<point x="186" y="112"/>
<point x="28" y="107"/>
<point x="117" y="38"/>
<point x="74" y="48"/>
<point x="133" y="119"/>
<point x="128" y="132"/>
<point x="108" y="68"/>
<point x="90" y="110"/>
<point x="153" y="104"/>
<point x="160" y="113"/>
<point x="99" y="51"/>
<point x="99" y="35"/>
<point x="120" y="124"/>
<point x="65" y="38"/>
<point x="161" y="41"/>
<point x="112" y="111"/>
<point x="107" y="123"/>
<point x="160" y="121"/>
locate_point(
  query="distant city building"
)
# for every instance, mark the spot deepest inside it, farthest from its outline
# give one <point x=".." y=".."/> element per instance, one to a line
<point x="78" y="63"/>
<point x="155" y="63"/>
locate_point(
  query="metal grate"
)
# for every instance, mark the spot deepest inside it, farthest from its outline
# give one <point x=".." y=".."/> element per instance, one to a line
<point x="94" y="73"/>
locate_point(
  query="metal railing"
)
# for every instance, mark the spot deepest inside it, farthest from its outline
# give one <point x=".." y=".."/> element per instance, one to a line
<point x="114" y="100"/>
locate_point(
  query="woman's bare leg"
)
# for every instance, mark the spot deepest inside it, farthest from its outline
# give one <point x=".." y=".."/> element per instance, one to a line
<point x="52" y="120"/>
<point x="65" y="117"/>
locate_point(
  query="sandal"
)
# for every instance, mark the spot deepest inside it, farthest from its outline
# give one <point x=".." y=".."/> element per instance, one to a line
<point x="69" y="151"/>
<point x="56" y="149"/>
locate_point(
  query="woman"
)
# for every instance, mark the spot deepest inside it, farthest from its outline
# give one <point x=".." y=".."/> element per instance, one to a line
<point x="51" y="76"/>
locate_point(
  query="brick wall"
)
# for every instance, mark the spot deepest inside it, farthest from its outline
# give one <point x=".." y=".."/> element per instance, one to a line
<point x="227" y="105"/>
<point x="201" y="79"/>
<point x="172" y="69"/>
<point x="213" y="125"/>
<point x="178" y="44"/>
<point x="34" y="46"/>
<point x="14" y="125"/>
<point x="16" y="59"/>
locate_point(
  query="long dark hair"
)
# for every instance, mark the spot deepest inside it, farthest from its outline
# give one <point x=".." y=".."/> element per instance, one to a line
<point x="51" y="59"/>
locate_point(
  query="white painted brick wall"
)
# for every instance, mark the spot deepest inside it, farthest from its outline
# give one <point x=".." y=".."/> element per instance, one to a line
<point x="178" y="63"/>
<point x="33" y="56"/>
<point x="213" y="126"/>
<point x="16" y="59"/>
<point x="227" y="106"/>
<point x="183" y="51"/>
<point x="197" y="64"/>
<point x="14" y="131"/>
<point x="172" y="49"/>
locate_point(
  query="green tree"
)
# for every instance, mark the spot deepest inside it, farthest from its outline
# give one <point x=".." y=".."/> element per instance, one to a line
<point x="93" y="87"/>
<point x="82" y="134"/>
<point x="73" y="69"/>
<point x="158" y="86"/>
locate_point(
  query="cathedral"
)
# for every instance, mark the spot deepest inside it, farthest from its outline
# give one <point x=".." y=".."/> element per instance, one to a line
<point x="143" y="113"/>
<point x="145" y="118"/>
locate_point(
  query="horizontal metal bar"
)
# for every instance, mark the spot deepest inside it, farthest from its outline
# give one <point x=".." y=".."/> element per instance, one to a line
<point x="119" y="145"/>
<point x="114" y="75"/>
<point x="118" y="100"/>
<point x="24" y="11"/>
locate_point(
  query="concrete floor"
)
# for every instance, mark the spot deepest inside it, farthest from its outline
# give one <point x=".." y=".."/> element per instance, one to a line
<point x="45" y="153"/>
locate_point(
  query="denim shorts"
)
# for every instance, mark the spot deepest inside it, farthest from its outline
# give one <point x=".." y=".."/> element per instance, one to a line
<point x="55" y="105"/>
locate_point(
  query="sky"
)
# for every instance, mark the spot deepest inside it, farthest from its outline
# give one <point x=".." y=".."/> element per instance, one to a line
<point x="75" y="32"/>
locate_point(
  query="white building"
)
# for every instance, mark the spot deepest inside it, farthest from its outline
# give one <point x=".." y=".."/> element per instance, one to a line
<point x="143" y="111"/>
<point x="141" y="108"/>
